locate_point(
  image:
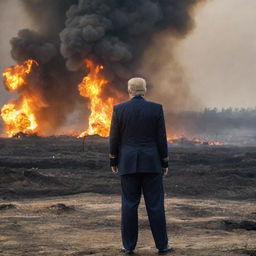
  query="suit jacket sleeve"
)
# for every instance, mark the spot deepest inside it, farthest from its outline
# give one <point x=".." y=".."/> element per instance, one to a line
<point x="162" y="139"/>
<point x="114" y="139"/>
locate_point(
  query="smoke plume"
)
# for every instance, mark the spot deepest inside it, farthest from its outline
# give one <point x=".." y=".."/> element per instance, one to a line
<point x="112" y="33"/>
<point x="116" y="33"/>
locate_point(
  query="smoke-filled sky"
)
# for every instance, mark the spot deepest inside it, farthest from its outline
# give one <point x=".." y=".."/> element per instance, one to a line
<point x="218" y="56"/>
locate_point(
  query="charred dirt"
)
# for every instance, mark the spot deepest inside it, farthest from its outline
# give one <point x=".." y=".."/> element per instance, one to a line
<point x="59" y="197"/>
<point x="34" y="167"/>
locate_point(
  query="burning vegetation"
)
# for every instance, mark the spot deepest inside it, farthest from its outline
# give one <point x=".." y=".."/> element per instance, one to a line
<point x="21" y="116"/>
<point x="184" y="141"/>
<point x="18" y="116"/>
<point x="100" y="109"/>
<point x="51" y="79"/>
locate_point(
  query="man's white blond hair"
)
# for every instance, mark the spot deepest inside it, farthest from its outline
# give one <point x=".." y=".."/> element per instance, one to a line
<point x="137" y="86"/>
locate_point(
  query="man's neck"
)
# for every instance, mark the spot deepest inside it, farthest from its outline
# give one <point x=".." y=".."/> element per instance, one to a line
<point x="136" y="96"/>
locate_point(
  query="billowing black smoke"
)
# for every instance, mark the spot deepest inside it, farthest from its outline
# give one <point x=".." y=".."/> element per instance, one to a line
<point x="113" y="33"/>
<point x="48" y="16"/>
<point x="116" y="33"/>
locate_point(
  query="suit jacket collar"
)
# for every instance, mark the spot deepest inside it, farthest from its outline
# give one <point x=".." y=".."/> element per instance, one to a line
<point x="137" y="98"/>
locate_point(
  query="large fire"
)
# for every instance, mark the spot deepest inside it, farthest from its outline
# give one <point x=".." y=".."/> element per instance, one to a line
<point x="19" y="119"/>
<point x="101" y="108"/>
<point x="18" y="116"/>
<point x="21" y="115"/>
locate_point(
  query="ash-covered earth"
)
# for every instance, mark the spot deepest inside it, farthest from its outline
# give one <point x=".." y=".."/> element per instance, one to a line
<point x="36" y="166"/>
<point x="59" y="197"/>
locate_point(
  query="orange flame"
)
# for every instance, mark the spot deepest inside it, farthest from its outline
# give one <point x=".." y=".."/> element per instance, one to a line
<point x="19" y="117"/>
<point x="181" y="139"/>
<point x="18" y="120"/>
<point x="101" y="109"/>
<point x="15" y="76"/>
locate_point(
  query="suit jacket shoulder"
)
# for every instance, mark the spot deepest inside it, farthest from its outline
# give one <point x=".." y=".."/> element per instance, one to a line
<point x="154" y="103"/>
<point x="122" y="104"/>
<point x="149" y="103"/>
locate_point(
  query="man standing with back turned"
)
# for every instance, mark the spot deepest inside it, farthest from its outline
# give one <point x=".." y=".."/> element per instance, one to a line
<point x="139" y="152"/>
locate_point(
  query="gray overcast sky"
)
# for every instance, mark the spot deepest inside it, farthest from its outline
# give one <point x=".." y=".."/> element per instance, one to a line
<point x="219" y="56"/>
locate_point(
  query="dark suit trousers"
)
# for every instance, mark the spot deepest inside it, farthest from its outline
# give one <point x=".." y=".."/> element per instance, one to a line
<point x="151" y="184"/>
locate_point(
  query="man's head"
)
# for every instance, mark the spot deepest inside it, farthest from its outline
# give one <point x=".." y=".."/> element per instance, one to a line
<point x="137" y="86"/>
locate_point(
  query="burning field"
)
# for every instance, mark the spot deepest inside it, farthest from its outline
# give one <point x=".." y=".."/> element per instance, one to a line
<point x="22" y="116"/>
<point x="57" y="193"/>
<point x="70" y="74"/>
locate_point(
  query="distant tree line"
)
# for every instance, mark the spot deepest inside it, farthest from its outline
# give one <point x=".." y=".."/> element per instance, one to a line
<point x="213" y="121"/>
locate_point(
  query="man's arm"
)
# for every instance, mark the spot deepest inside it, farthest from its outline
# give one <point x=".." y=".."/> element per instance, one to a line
<point x="114" y="139"/>
<point x="162" y="139"/>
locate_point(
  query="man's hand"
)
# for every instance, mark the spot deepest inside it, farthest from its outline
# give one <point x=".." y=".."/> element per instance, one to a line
<point x="114" y="169"/>
<point x="165" y="171"/>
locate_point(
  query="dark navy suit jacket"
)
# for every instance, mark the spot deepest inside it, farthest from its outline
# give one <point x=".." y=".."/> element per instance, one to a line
<point x="138" y="137"/>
